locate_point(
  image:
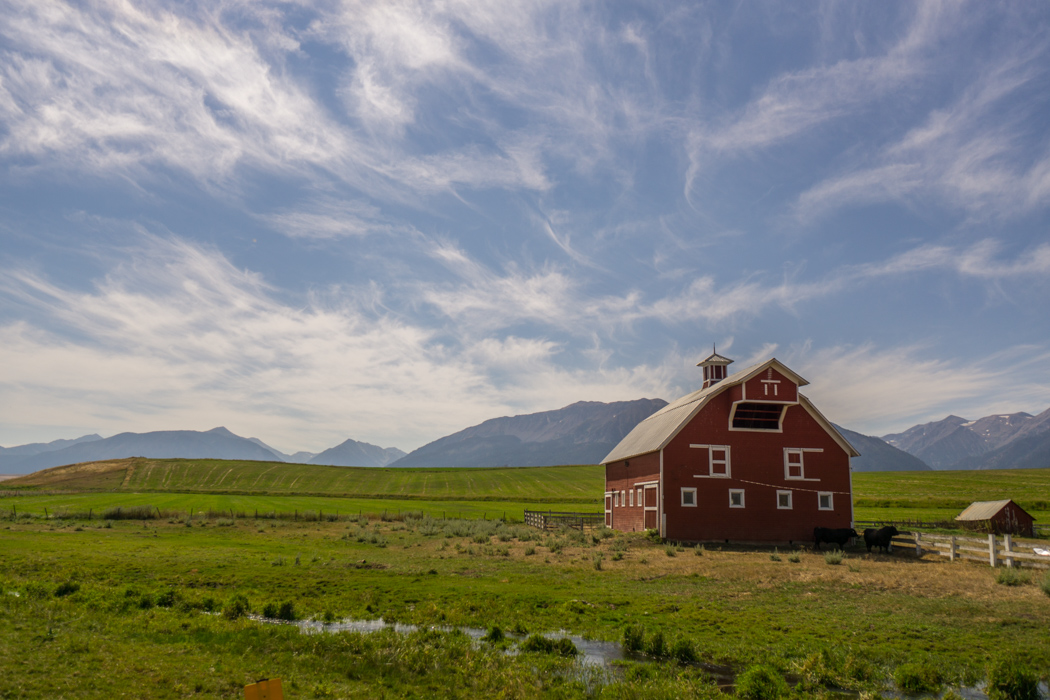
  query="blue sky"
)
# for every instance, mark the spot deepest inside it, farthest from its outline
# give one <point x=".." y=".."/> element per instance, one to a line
<point x="308" y="221"/>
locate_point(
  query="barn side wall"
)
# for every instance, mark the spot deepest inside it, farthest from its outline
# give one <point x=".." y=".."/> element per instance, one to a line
<point x="757" y="468"/>
<point x="626" y="475"/>
<point x="1013" y="520"/>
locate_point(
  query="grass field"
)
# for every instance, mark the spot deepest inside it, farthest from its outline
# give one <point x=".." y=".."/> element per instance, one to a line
<point x="249" y="486"/>
<point x="100" y="611"/>
<point x="528" y="484"/>
<point x="106" y="608"/>
<point x="97" y="502"/>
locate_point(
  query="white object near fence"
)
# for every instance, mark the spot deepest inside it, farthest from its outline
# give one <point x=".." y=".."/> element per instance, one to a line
<point x="991" y="550"/>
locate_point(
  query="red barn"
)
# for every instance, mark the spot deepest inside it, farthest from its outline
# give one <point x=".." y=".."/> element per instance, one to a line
<point x="747" y="458"/>
<point x="998" y="517"/>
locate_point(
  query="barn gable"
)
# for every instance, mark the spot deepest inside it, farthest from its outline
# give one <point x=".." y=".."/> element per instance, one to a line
<point x="769" y="382"/>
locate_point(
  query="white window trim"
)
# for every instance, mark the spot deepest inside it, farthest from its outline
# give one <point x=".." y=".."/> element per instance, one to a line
<point x="711" y="461"/>
<point x="692" y="490"/>
<point x="790" y="499"/>
<point x="630" y="493"/>
<point x="733" y="491"/>
<point x="801" y="452"/>
<point x="831" y="500"/>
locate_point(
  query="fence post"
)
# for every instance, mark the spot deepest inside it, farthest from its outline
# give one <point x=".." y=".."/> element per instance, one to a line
<point x="918" y="544"/>
<point x="951" y="549"/>
<point x="1008" y="550"/>
<point x="991" y="549"/>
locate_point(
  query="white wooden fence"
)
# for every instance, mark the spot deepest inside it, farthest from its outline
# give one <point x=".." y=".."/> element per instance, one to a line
<point x="996" y="550"/>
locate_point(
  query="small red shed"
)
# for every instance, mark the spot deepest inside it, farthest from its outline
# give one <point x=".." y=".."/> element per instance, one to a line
<point x="997" y="517"/>
<point x="746" y="458"/>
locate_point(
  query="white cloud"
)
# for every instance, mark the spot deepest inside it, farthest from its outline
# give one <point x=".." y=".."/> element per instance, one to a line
<point x="972" y="156"/>
<point x="878" y="391"/>
<point x="176" y="337"/>
<point x="797" y="102"/>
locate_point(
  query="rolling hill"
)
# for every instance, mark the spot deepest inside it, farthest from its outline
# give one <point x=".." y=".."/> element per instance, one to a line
<point x="565" y="484"/>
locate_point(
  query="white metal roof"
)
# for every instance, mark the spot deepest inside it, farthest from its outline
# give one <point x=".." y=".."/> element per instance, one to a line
<point x="982" y="510"/>
<point x="657" y="430"/>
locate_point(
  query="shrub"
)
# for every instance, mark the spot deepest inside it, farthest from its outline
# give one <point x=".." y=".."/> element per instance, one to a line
<point x="617" y="556"/>
<point x="682" y="651"/>
<point x="633" y="638"/>
<point x="130" y="513"/>
<point x="775" y="556"/>
<point x="236" y="607"/>
<point x="654" y="646"/>
<point x="539" y="644"/>
<point x="269" y="611"/>
<point x="287" y="611"/>
<point x="833" y="557"/>
<point x="1010" y="679"/>
<point x="530" y="550"/>
<point x="917" y="678"/>
<point x="669" y="551"/>
<point x="761" y="683"/>
<point x="597" y="560"/>
<point x="794" y="559"/>
<point x="1011" y="577"/>
<point x="66" y="588"/>
<point x="494" y="635"/>
<point x="698" y="550"/>
<point x="653" y="535"/>
<point x="167" y="599"/>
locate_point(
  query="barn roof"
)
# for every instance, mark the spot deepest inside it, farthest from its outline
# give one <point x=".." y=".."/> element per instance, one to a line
<point x="657" y="430"/>
<point x="984" y="510"/>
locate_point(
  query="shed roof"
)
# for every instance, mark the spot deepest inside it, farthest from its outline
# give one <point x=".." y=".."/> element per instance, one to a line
<point x="985" y="510"/>
<point x="657" y="430"/>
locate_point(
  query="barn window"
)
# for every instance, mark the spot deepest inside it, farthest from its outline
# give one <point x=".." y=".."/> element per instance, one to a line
<point x="783" y="500"/>
<point x="757" y="416"/>
<point x="689" y="497"/>
<point x="793" y="466"/>
<point x="717" y="461"/>
<point x="632" y="497"/>
<point x="639" y="495"/>
<point x="736" y="498"/>
<point x="826" y="500"/>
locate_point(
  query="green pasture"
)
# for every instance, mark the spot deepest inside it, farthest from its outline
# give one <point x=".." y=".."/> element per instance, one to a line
<point x="1030" y="488"/>
<point x="556" y="484"/>
<point x="98" y="609"/>
<point x="95" y="503"/>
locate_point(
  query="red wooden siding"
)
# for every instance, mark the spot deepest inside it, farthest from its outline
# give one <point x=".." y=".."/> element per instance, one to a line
<point x="625" y="477"/>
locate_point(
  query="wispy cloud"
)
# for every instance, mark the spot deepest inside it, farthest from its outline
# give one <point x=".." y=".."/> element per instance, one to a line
<point x="882" y="390"/>
<point x="972" y="156"/>
<point x="176" y="336"/>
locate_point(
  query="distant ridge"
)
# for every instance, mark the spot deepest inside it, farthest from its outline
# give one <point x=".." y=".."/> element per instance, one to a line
<point x="352" y="453"/>
<point x="218" y="443"/>
<point x="998" y="441"/>
<point x="581" y="433"/>
<point x="878" y="456"/>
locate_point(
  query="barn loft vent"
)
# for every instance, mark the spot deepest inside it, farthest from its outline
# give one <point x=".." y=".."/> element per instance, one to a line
<point x="714" y="368"/>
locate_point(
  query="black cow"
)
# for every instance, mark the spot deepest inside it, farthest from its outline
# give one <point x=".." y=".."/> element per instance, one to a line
<point x="839" y="536"/>
<point x="881" y="538"/>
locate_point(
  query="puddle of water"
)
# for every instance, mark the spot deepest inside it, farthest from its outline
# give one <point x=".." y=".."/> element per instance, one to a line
<point x="593" y="653"/>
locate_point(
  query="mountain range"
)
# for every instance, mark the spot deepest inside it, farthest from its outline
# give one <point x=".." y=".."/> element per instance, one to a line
<point x="999" y="441"/>
<point x="581" y="433"/>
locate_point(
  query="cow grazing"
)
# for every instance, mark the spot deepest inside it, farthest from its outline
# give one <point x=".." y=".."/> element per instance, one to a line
<point x="839" y="536"/>
<point x="881" y="538"/>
